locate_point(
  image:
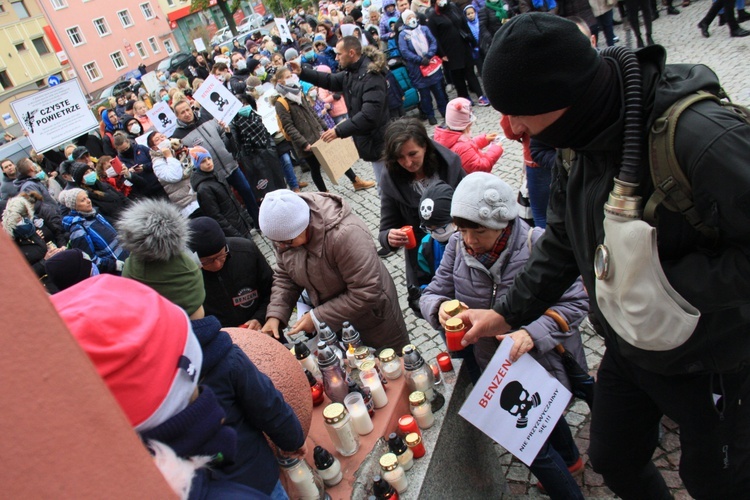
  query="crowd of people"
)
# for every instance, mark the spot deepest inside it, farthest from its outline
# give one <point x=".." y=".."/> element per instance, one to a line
<point x="134" y="216"/>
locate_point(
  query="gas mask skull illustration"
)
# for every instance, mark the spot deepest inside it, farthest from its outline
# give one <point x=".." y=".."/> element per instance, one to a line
<point x="218" y="100"/>
<point x="518" y="401"/>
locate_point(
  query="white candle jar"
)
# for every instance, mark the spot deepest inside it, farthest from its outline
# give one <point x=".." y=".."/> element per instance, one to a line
<point x="340" y="429"/>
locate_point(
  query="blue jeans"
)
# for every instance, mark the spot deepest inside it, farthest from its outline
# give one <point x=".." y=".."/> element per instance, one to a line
<point x="278" y="492"/>
<point x="425" y="100"/>
<point x="340" y="118"/>
<point x="538" y="180"/>
<point x="605" y="20"/>
<point x="239" y="182"/>
<point x="289" y="175"/>
<point x="551" y="463"/>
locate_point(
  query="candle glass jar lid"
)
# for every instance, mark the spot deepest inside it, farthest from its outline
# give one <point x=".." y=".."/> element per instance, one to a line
<point x="389" y="461"/>
<point x="387" y="355"/>
<point x="361" y="352"/>
<point x="452" y="307"/>
<point x="334" y="412"/>
<point x="417" y="398"/>
<point x="454" y="325"/>
<point x="408" y="346"/>
<point x="323" y="458"/>
<point x="367" y="365"/>
<point x="413" y="439"/>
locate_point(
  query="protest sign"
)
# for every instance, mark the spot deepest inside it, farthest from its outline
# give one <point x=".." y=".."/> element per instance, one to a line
<point x="163" y="118"/>
<point x="217" y="100"/>
<point x="199" y="44"/>
<point x="151" y="82"/>
<point x="516" y="404"/>
<point x="336" y="157"/>
<point x="283" y="28"/>
<point x="54" y="115"/>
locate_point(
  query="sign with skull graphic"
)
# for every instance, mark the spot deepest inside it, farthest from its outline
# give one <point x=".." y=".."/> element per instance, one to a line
<point x="516" y="404"/>
<point x="163" y="118"/>
<point x="217" y="100"/>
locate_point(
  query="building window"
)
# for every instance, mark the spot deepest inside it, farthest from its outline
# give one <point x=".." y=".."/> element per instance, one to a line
<point x="148" y="12"/>
<point x="141" y="50"/>
<point x="58" y="4"/>
<point x="75" y="35"/>
<point x="20" y="9"/>
<point x="118" y="60"/>
<point x="154" y="45"/>
<point x="20" y="47"/>
<point x="168" y="45"/>
<point x="170" y="3"/>
<point x="92" y="71"/>
<point x="125" y="18"/>
<point x="41" y="46"/>
<point x="101" y="26"/>
<point x="5" y="80"/>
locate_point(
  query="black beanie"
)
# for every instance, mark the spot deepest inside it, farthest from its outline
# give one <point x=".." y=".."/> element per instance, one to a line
<point x="206" y="236"/>
<point x="68" y="267"/>
<point x="538" y="63"/>
<point x="78" y="170"/>
<point x="435" y="205"/>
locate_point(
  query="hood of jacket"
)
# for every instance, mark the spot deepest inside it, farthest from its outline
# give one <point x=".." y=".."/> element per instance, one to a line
<point x="326" y="211"/>
<point x="447" y="137"/>
<point x="153" y="230"/>
<point x="374" y="59"/>
<point x="17" y="208"/>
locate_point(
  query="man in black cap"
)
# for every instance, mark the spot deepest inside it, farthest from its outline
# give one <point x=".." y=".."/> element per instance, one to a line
<point x="544" y="74"/>
<point x="236" y="276"/>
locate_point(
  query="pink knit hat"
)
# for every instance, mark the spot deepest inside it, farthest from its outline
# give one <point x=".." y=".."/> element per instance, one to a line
<point x="458" y="115"/>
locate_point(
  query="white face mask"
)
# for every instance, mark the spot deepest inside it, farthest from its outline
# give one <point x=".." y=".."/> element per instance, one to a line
<point x="292" y="81"/>
<point x="241" y="64"/>
<point x="135" y="129"/>
<point x="220" y="77"/>
<point x="111" y="172"/>
<point x="443" y="237"/>
<point x="412" y="23"/>
<point x="313" y="94"/>
<point x="165" y="144"/>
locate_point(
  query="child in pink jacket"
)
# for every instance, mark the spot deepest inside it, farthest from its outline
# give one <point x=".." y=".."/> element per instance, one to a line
<point x="338" y="109"/>
<point x="455" y="135"/>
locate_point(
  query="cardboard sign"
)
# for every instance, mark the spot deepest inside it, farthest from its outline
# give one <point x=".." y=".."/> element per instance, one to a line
<point x="200" y="45"/>
<point x="283" y="28"/>
<point x="217" y="100"/>
<point x="163" y="118"/>
<point x="55" y="115"/>
<point x="336" y="157"/>
<point x="516" y="404"/>
<point x="151" y="82"/>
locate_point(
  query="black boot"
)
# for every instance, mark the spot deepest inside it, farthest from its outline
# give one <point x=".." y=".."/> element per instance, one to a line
<point x="738" y="32"/>
<point x="638" y="42"/>
<point x="703" y="26"/>
<point x="671" y="11"/>
<point x="722" y="19"/>
<point x="742" y="16"/>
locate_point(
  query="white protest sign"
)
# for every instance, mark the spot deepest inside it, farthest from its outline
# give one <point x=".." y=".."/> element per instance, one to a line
<point x="151" y="81"/>
<point x="217" y="100"/>
<point x="268" y="113"/>
<point x="283" y="28"/>
<point x="516" y="404"/>
<point x="163" y="118"/>
<point x="54" y="115"/>
<point x="200" y="45"/>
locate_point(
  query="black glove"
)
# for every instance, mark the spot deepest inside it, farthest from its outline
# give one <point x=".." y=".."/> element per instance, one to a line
<point x="414" y="293"/>
<point x="336" y="96"/>
<point x="425" y="61"/>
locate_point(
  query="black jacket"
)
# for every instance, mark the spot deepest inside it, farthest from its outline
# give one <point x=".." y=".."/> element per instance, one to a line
<point x="489" y="23"/>
<point x="366" y="95"/>
<point x="711" y="145"/>
<point x="238" y="81"/>
<point x="34" y="249"/>
<point x="108" y="201"/>
<point x="241" y="290"/>
<point x="453" y="36"/>
<point x="217" y="201"/>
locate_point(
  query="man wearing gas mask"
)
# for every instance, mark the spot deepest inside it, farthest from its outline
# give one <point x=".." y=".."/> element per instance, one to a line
<point x="672" y="296"/>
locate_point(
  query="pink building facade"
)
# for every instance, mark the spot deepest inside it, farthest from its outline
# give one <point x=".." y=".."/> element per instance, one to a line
<point x="104" y="39"/>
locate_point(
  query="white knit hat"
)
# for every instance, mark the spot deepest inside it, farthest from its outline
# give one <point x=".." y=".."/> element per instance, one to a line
<point x="484" y="199"/>
<point x="283" y="215"/>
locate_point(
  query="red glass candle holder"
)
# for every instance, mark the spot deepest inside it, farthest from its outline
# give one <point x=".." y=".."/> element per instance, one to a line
<point x="412" y="239"/>
<point x="444" y="362"/>
<point x="408" y="424"/>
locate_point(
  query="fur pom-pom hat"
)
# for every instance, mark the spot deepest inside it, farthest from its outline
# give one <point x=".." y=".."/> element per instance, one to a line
<point x="485" y="199"/>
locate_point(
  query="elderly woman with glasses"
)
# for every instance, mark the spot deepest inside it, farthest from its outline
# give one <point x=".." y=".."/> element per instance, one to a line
<point x="324" y="248"/>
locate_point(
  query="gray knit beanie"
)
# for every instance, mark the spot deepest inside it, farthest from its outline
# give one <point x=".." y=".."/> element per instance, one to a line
<point x="486" y="200"/>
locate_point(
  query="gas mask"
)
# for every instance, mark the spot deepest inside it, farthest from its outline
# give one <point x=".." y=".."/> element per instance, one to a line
<point x="518" y="401"/>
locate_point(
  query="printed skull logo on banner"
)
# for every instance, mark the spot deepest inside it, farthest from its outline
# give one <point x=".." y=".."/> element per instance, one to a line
<point x="518" y="401"/>
<point x="428" y="205"/>
<point x="164" y="119"/>
<point x="218" y="100"/>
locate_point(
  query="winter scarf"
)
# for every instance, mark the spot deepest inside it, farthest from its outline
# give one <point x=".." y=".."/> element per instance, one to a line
<point x="488" y="259"/>
<point x="498" y="7"/>
<point x="294" y="94"/>
<point x="419" y="40"/>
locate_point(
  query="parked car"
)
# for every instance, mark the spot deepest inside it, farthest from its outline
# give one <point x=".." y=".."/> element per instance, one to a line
<point x="253" y="21"/>
<point x="178" y="60"/>
<point x="221" y="36"/>
<point x="114" y="90"/>
<point x="268" y="18"/>
<point x="244" y="36"/>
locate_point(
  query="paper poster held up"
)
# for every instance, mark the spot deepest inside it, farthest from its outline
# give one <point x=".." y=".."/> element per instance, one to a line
<point x="516" y="404"/>
<point x="217" y="100"/>
<point x="336" y="157"/>
<point x="163" y="118"/>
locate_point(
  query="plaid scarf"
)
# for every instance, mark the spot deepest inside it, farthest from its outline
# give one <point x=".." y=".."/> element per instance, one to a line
<point x="488" y="259"/>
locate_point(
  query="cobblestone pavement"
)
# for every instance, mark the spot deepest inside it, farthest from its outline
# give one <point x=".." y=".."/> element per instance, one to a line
<point x="728" y="57"/>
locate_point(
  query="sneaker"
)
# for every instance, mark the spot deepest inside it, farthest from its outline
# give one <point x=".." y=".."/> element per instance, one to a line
<point x="575" y="470"/>
<point x="483" y="101"/>
<point x="385" y="252"/>
<point x="432" y="120"/>
<point x="358" y="184"/>
<point x="302" y="184"/>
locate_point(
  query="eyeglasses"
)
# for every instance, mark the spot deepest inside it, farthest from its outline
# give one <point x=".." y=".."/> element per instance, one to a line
<point x="207" y="261"/>
<point x="438" y="230"/>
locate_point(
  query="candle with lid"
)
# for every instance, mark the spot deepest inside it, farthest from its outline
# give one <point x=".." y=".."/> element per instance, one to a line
<point x="408" y="424"/>
<point x="390" y="364"/>
<point x="418" y="373"/>
<point x="334" y="379"/>
<point x="415" y="444"/>
<point x="329" y="337"/>
<point x="316" y="389"/>
<point x="421" y="409"/>
<point x="366" y="395"/>
<point x="302" y="353"/>
<point x="340" y="429"/>
<point x="398" y="447"/>
<point x="351" y="339"/>
<point x="329" y="468"/>
<point x="370" y="377"/>
<point x="361" y="421"/>
<point x="454" y="333"/>
<point x="453" y="307"/>
<point x="383" y="490"/>
<point x="362" y="354"/>
<point x="307" y="485"/>
<point x="393" y="472"/>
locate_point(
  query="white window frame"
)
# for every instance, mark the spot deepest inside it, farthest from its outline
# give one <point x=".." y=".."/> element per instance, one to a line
<point x="120" y="17"/>
<point x="169" y="46"/>
<point x="104" y="23"/>
<point x="95" y="67"/>
<point x="149" y="8"/>
<point x="141" y="48"/>
<point x="58" y="4"/>
<point x="78" y="30"/>
<point x="154" y="43"/>
<point x="122" y="56"/>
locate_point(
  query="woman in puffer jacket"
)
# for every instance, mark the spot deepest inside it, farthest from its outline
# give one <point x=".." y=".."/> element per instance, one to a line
<point x="173" y="169"/>
<point x="456" y="136"/>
